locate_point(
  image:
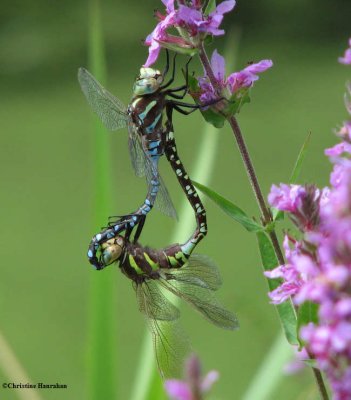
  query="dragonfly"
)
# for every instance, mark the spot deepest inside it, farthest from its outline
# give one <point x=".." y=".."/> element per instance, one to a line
<point x="193" y="278"/>
<point x="104" y="258"/>
<point x="148" y="140"/>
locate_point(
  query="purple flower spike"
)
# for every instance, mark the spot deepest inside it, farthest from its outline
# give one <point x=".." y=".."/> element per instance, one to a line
<point x="178" y="390"/>
<point x="193" y="385"/>
<point x="347" y="56"/>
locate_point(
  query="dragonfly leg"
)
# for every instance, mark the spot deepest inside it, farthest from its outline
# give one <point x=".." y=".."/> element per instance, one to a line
<point x="139" y="228"/>
<point x="184" y="88"/>
<point x="165" y="71"/>
<point x="173" y="71"/>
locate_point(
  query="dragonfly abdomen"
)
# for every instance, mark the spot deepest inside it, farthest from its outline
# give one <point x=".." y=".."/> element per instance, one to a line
<point x="190" y="192"/>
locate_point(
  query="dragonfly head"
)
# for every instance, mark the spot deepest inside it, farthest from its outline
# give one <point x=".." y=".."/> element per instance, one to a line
<point x="148" y="81"/>
<point x="112" y="250"/>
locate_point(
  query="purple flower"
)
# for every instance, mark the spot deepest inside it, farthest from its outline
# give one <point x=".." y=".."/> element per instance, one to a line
<point x="248" y="75"/>
<point x="318" y="267"/>
<point x="196" y="22"/>
<point x="159" y="34"/>
<point x="302" y="202"/>
<point x="286" y="197"/>
<point x="194" y="385"/>
<point x="347" y="56"/>
<point x="297" y="364"/>
<point x="294" y="273"/>
<point x="234" y="82"/>
<point x="192" y="24"/>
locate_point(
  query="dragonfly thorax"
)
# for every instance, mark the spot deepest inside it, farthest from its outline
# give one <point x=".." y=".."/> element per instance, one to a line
<point x="148" y="81"/>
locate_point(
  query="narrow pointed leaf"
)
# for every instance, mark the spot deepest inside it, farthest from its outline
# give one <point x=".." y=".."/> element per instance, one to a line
<point x="308" y="312"/>
<point x="300" y="158"/>
<point x="188" y="51"/>
<point x="279" y="215"/>
<point x="285" y="310"/>
<point x="310" y="362"/>
<point x="230" y="209"/>
<point x="211" y="6"/>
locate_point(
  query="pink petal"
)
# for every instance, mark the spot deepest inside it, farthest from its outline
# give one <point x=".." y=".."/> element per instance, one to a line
<point x="209" y="380"/>
<point x="178" y="390"/>
<point x="225" y="7"/>
<point x="218" y="66"/>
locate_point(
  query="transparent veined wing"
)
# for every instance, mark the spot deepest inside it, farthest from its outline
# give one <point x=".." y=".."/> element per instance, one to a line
<point x="200" y="270"/>
<point x="154" y="304"/>
<point x="143" y="166"/>
<point x="163" y="201"/>
<point x="136" y="151"/>
<point x="111" y="111"/>
<point x="195" y="292"/>
<point x="169" y="341"/>
<point x="114" y="116"/>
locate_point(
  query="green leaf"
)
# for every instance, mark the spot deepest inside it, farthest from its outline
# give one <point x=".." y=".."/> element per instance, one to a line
<point x="277" y="214"/>
<point x="237" y="100"/>
<point x="308" y="312"/>
<point x="230" y="209"/>
<point x="211" y="6"/>
<point x="188" y="51"/>
<point x="300" y="158"/>
<point x="310" y="362"/>
<point x="217" y="120"/>
<point x="285" y="310"/>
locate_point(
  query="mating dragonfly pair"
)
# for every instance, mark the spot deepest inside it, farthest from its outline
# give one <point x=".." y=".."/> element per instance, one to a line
<point x="193" y="278"/>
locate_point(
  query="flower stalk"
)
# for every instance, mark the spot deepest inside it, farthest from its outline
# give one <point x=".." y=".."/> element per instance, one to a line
<point x="265" y="213"/>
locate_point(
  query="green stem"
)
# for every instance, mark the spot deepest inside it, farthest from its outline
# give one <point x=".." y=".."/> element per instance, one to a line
<point x="102" y="310"/>
<point x="265" y="213"/>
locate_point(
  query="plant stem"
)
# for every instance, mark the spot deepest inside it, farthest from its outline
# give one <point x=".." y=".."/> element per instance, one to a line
<point x="320" y="383"/>
<point x="101" y="341"/>
<point x="265" y="213"/>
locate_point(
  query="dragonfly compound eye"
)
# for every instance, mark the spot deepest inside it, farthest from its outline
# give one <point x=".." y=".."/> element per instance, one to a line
<point x="112" y="250"/>
<point x="148" y="81"/>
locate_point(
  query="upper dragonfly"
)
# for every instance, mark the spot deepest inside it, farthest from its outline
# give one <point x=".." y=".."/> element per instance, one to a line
<point x="144" y="119"/>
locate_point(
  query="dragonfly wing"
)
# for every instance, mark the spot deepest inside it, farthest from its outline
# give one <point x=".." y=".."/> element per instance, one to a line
<point x="203" y="300"/>
<point x="164" y="202"/>
<point x="136" y="151"/>
<point x="154" y="304"/>
<point x="143" y="166"/>
<point x="200" y="270"/>
<point x="110" y="110"/>
<point x="169" y="342"/>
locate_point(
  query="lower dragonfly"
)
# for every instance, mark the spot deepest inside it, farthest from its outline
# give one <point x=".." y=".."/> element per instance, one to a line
<point x="148" y="141"/>
<point x="189" y="190"/>
<point x="192" y="278"/>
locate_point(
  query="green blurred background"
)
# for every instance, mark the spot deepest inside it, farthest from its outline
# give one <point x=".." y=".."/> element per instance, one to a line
<point x="47" y="177"/>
